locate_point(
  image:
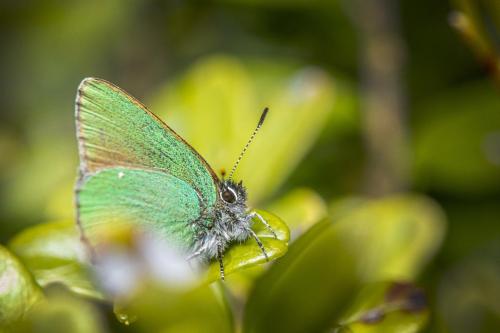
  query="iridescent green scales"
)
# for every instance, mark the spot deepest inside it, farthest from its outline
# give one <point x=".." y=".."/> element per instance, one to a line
<point x="135" y="168"/>
<point x="117" y="196"/>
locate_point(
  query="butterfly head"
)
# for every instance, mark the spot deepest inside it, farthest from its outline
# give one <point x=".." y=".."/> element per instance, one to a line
<point x="233" y="194"/>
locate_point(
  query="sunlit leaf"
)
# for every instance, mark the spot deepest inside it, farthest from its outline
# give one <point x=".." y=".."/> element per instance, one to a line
<point x="160" y="309"/>
<point x="30" y="184"/>
<point x="62" y="312"/>
<point x="389" y="307"/>
<point x="217" y="104"/>
<point x="399" y="234"/>
<point x="305" y="290"/>
<point x="300" y="208"/>
<point x="53" y="252"/>
<point x="46" y="123"/>
<point x="18" y="290"/>
<point x="368" y="240"/>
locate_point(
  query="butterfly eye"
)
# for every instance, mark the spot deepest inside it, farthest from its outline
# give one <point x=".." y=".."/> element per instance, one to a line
<point x="228" y="195"/>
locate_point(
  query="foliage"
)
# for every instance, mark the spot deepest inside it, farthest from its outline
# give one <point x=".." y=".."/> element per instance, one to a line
<point x="424" y="259"/>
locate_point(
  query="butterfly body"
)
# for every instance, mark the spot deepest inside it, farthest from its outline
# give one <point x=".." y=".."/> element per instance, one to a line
<point x="135" y="170"/>
<point x="230" y="222"/>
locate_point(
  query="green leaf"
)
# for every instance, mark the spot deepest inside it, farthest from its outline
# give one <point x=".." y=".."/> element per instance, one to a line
<point x="249" y="254"/>
<point x="53" y="253"/>
<point x="159" y="309"/>
<point x="18" y="290"/>
<point x="305" y="290"/>
<point x="219" y="127"/>
<point x="300" y="208"/>
<point x="62" y="312"/>
<point x="369" y="240"/>
<point x="386" y="307"/>
<point x="399" y="234"/>
<point x="29" y="185"/>
<point x="457" y="141"/>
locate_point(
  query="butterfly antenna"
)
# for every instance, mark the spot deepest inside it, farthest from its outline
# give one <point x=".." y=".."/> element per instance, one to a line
<point x="259" y="125"/>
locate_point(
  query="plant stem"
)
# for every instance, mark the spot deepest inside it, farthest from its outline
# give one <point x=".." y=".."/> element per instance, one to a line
<point x="383" y="100"/>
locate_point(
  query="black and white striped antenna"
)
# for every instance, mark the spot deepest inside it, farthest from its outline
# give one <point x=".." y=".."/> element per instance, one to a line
<point x="259" y="125"/>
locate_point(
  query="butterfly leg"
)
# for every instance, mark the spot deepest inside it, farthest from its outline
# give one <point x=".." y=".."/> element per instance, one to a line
<point x="264" y="222"/>
<point x="220" y="256"/>
<point x="259" y="243"/>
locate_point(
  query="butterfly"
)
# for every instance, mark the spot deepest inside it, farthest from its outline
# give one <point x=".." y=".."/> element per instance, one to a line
<point x="134" y="169"/>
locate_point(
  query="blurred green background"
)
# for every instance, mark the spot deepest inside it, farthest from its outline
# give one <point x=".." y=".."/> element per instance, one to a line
<point x="383" y="141"/>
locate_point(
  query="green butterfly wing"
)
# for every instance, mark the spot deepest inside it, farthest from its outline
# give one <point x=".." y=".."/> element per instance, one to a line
<point x="135" y="169"/>
<point x="161" y="203"/>
<point x="114" y="129"/>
